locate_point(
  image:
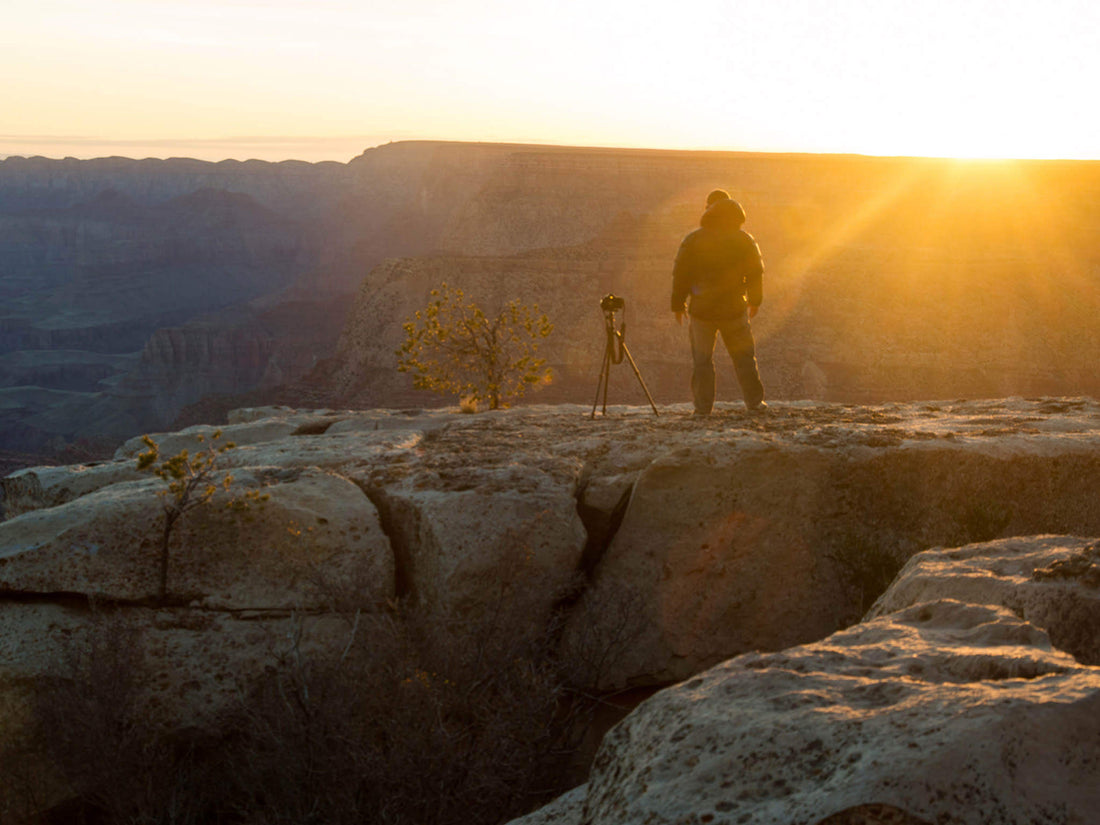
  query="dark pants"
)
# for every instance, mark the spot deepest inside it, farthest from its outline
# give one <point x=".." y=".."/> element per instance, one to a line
<point x="737" y="336"/>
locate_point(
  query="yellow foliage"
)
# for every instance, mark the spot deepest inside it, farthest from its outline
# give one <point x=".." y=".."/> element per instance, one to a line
<point x="452" y="347"/>
<point x="189" y="481"/>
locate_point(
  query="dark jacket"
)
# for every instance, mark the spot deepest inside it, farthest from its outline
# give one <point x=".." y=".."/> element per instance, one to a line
<point x="718" y="266"/>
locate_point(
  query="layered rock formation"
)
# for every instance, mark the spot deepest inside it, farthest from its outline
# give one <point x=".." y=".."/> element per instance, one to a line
<point x="89" y="283"/>
<point x="730" y="534"/>
<point x="97" y="258"/>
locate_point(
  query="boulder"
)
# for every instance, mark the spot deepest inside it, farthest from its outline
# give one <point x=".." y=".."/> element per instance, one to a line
<point x="107" y="543"/>
<point x="941" y="712"/>
<point x="1051" y="581"/>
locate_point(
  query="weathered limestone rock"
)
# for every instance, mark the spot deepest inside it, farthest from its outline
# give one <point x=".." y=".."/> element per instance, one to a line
<point x="719" y="567"/>
<point x="942" y="712"/>
<point x="567" y="809"/>
<point x="727" y="534"/>
<point x="732" y="533"/>
<point x="107" y="543"/>
<point x="739" y="539"/>
<point x="197" y="660"/>
<point x="257" y="431"/>
<point x="1051" y="581"/>
<point x="38" y="487"/>
<point x="468" y="519"/>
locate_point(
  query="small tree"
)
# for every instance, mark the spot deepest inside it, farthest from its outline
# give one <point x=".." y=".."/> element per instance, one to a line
<point x="452" y="347"/>
<point x="191" y="484"/>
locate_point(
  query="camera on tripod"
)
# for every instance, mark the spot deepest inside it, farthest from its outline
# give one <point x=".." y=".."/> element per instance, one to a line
<point x="612" y="303"/>
<point x="615" y="350"/>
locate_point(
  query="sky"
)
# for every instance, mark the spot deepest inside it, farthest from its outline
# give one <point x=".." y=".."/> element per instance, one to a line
<point x="326" y="79"/>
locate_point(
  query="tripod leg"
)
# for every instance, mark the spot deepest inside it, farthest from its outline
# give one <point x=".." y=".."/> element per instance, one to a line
<point x="638" y="375"/>
<point x="607" y="378"/>
<point x="602" y="383"/>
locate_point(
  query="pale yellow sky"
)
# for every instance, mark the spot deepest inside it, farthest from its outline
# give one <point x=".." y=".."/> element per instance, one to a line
<point x="324" y="79"/>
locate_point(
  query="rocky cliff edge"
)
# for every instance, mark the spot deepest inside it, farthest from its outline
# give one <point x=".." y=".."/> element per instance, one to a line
<point x="694" y="540"/>
<point x="733" y="533"/>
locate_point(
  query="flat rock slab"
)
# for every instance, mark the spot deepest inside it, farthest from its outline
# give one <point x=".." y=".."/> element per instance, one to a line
<point x="942" y="712"/>
<point x="1050" y="581"/>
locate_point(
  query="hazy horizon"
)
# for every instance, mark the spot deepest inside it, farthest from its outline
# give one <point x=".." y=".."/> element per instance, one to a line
<point x="343" y="150"/>
<point x="324" y="80"/>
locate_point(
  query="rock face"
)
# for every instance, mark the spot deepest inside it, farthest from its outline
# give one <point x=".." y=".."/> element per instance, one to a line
<point x="765" y="541"/>
<point x="942" y="712"/>
<point x="182" y="666"/>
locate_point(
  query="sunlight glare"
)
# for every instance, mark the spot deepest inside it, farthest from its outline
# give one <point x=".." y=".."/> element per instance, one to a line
<point x="974" y="78"/>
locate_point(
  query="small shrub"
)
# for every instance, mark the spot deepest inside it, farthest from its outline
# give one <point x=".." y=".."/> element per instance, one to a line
<point x="452" y="347"/>
<point x="190" y="483"/>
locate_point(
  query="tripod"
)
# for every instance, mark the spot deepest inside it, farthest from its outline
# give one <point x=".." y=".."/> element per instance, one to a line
<point x="613" y="354"/>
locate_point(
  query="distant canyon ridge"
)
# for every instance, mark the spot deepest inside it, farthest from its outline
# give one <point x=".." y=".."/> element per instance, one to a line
<point x="135" y="294"/>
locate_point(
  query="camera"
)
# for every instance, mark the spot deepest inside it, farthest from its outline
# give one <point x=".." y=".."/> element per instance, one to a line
<point x="616" y="350"/>
<point x="610" y="303"/>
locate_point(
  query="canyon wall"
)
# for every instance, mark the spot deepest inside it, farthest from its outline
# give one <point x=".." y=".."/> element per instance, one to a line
<point x="886" y="279"/>
<point x="140" y="287"/>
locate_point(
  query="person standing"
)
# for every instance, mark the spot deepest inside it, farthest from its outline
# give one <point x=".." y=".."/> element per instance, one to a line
<point x="718" y="281"/>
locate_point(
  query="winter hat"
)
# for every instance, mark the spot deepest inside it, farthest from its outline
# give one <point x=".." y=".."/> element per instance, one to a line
<point x="717" y="195"/>
<point x="723" y="212"/>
